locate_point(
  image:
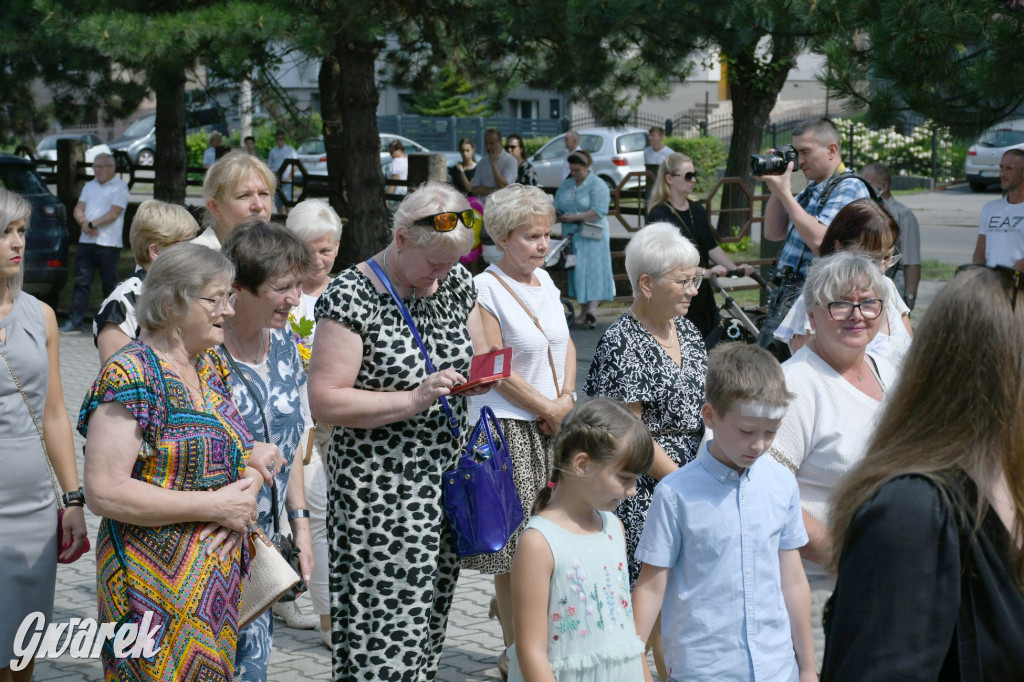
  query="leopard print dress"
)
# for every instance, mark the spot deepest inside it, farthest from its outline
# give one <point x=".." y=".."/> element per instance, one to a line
<point x="392" y="557"/>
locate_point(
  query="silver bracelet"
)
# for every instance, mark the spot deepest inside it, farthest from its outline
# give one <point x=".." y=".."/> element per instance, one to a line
<point x="298" y="514"/>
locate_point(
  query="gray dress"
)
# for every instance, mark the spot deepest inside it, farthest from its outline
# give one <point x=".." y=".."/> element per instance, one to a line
<point x="28" y="516"/>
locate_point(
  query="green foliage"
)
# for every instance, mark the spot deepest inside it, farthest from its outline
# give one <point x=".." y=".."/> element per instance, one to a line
<point x="956" y="63"/>
<point x="451" y="96"/>
<point x="708" y="156"/>
<point x="934" y="269"/>
<point x="532" y="145"/>
<point x="741" y="246"/>
<point x="196" y="144"/>
<point x="903" y="154"/>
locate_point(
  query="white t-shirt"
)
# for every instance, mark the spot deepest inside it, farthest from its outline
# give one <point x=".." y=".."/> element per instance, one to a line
<point x="399" y="166"/>
<point x="824" y="434"/>
<point x="654" y="158"/>
<point x="529" y="346"/>
<point x="209" y="156"/>
<point x="892" y="346"/>
<point x="1002" y="223"/>
<point x="98" y="200"/>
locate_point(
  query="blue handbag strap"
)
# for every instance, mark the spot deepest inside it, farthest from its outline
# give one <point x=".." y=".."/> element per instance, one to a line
<point x="453" y="423"/>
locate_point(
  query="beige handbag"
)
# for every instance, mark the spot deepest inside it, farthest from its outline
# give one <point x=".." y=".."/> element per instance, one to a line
<point x="269" y="577"/>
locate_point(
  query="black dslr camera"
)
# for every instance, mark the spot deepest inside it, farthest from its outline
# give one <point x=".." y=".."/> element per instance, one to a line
<point x="773" y="163"/>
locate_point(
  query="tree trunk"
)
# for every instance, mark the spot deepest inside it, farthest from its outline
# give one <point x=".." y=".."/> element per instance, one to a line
<point x="753" y="92"/>
<point x="349" y="100"/>
<point x="171" y="155"/>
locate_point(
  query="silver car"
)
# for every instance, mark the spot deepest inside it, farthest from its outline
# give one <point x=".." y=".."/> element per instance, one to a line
<point x="615" y="152"/>
<point x="46" y="150"/>
<point x="983" y="157"/>
<point x="313" y="154"/>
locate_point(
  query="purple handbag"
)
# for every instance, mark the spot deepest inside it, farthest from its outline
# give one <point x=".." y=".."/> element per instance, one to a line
<point x="480" y="496"/>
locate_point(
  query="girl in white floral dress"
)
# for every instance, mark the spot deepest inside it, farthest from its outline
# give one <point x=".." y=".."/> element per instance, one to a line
<point x="570" y="582"/>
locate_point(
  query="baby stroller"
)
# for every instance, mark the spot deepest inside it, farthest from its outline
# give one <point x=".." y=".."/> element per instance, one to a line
<point x="737" y="323"/>
<point x="560" y="256"/>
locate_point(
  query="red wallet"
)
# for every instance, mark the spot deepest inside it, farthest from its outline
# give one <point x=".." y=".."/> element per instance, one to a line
<point x="486" y="369"/>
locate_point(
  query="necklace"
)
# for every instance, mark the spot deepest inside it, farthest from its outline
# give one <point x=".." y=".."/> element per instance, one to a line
<point x="238" y="343"/>
<point x="183" y="375"/>
<point x="384" y="262"/>
<point x="671" y="336"/>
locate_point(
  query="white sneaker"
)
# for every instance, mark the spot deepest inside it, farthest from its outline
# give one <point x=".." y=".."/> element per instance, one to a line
<point x="325" y="639"/>
<point x="294" y="618"/>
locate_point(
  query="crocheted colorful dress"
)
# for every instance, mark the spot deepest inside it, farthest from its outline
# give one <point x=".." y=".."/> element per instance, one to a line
<point x="165" y="570"/>
<point x="591" y="636"/>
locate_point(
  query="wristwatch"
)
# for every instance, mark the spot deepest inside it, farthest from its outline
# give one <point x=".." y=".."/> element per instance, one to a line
<point x="911" y="297"/>
<point x="90" y="226"/>
<point x="74" y="497"/>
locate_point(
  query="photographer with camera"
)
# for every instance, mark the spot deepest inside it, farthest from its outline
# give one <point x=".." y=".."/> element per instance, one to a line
<point x="803" y="219"/>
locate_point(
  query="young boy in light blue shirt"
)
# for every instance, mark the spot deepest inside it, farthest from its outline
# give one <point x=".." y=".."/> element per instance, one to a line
<point x="721" y="537"/>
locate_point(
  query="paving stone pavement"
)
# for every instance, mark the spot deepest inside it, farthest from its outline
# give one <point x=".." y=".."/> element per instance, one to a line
<point x="473" y="641"/>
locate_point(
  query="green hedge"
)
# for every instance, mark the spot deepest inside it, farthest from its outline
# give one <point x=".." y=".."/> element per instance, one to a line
<point x="708" y="154"/>
<point x="533" y="144"/>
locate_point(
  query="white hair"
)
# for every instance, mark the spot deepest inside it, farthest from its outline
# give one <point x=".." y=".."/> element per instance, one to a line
<point x="833" y="276"/>
<point x="657" y="250"/>
<point x="427" y="199"/>
<point x="312" y="219"/>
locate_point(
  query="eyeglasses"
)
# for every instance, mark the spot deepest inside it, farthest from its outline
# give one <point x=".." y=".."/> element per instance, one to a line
<point x="891" y="261"/>
<point x="687" y="283"/>
<point x="1014" y="278"/>
<point x="448" y="221"/>
<point x="221" y="304"/>
<point x="870" y="308"/>
<point x="685" y="176"/>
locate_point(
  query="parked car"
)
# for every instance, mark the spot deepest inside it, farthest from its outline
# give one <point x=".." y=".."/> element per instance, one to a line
<point x="982" y="164"/>
<point x="313" y="155"/>
<point x="615" y="152"/>
<point x="139" y="140"/>
<point x="46" y="244"/>
<point x="46" y="150"/>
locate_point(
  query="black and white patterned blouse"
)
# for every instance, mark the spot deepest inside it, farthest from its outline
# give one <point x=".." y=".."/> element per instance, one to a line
<point x="119" y="307"/>
<point x="630" y="366"/>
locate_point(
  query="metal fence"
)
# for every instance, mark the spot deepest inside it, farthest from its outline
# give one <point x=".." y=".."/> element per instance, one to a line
<point x="444" y="132"/>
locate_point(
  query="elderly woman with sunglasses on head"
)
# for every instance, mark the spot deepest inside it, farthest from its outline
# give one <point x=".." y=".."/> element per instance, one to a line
<point x="168" y="466"/>
<point x="863" y="225"/>
<point x="670" y="202"/>
<point x="268" y="384"/>
<point x="393" y="561"/>
<point x="838" y="386"/>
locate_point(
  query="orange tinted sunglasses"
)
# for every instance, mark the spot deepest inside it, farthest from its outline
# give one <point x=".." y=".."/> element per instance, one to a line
<point x="449" y="220"/>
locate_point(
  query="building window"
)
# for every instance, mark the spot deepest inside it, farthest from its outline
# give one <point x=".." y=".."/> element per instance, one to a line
<point x="525" y="108"/>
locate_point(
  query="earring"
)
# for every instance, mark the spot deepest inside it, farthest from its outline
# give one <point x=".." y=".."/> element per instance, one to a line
<point x="178" y="330"/>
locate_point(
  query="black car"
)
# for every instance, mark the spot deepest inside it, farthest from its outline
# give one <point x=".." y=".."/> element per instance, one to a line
<point x="46" y="245"/>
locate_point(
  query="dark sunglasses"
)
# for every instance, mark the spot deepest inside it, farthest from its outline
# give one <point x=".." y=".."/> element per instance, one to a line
<point x="1015" y="278"/>
<point x="448" y="221"/>
<point x="685" y="176"/>
<point x="510" y="147"/>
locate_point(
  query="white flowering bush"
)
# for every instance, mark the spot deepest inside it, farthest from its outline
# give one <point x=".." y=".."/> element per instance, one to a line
<point x="904" y="154"/>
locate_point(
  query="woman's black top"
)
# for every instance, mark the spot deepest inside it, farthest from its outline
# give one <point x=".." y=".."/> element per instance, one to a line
<point x="920" y="595"/>
<point x="693" y="224"/>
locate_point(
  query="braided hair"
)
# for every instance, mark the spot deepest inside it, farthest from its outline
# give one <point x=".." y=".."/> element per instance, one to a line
<point x="607" y="431"/>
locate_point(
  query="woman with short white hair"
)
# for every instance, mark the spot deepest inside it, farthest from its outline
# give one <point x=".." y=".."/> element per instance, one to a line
<point x="316" y="223"/>
<point x="838" y="385"/>
<point x="653" y="359"/>
<point x="393" y="562"/>
<point x="521" y="309"/>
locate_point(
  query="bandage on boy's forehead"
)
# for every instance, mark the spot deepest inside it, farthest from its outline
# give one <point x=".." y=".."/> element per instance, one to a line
<point x="763" y="410"/>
